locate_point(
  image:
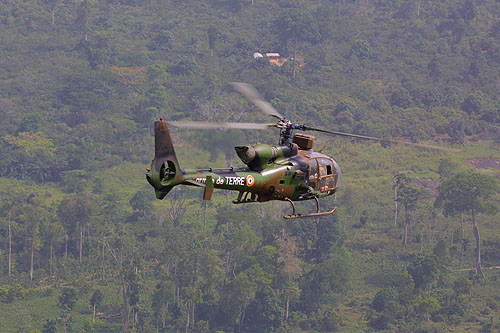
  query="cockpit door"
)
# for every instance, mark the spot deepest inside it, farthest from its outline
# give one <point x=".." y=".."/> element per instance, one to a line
<point x="313" y="180"/>
<point x="327" y="172"/>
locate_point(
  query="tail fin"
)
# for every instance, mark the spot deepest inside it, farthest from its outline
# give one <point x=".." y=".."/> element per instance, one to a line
<point x="165" y="171"/>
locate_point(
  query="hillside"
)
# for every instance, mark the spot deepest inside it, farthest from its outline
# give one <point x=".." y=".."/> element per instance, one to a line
<point x="81" y="83"/>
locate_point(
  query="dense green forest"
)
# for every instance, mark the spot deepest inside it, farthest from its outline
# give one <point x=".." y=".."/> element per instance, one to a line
<point x="85" y="247"/>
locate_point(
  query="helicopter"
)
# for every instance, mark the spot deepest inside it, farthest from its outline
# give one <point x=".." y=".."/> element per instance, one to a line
<point x="288" y="171"/>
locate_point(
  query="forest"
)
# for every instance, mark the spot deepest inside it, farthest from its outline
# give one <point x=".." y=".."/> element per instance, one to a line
<point x="414" y="245"/>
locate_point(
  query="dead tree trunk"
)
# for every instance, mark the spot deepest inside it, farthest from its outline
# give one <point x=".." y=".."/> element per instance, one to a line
<point x="187" y="317"/>
<point x="51" y="258"/>
<point x="81" y="245"/>
<point x="10" y="248"/>
<point x="32" y="259"/>
<point x="395" y="207"/>
<point x="463" y="237"/>
<point x="102" y="262"/>
<point x="119" y="263"/>
<point x="479" y="269"/>
<point x="294" y="57"/>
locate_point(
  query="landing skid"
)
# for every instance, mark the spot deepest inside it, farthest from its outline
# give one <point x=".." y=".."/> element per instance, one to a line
<point x="245" y="199"/>
<point x="318" y="213"/>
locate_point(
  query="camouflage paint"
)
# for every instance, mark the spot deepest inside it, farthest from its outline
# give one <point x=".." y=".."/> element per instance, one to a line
<point x="276" y="172"/>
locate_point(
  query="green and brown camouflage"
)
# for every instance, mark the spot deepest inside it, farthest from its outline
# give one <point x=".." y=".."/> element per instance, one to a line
<point x="281" y="172"/>
<point x="290" y="171"/>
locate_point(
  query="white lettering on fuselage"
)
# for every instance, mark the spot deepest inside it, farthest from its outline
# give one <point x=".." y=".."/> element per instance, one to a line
<point x="235" y="181"/>
<point x="224" y="180"/>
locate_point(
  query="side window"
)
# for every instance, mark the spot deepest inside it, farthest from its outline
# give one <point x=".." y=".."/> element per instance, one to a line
<point x="313" y="172"/>
<point x="325" y="167"/>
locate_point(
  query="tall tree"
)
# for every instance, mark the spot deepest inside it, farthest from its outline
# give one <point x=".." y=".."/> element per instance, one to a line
<point x="31" y="217"/>
<point x="53" y="4"/>
<point x="75" y="213"/>
<point x="82" y="18"/>
<point x="408" y="196"/>
<point x="468" y="193"/>
<point x="289" y="267"/>
<point x="67" y="301"/>
<point x="8" y="204"/>
<point x="213" y="34"/>
<point x="297" y="25"/>
<point x="95" y="301"/>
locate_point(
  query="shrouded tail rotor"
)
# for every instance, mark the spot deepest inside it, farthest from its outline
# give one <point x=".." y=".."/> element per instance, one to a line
<point x="165" y="171"/>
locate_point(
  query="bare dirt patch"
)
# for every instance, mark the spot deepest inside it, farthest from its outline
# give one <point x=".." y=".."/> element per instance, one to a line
<point x="484" y="163"/>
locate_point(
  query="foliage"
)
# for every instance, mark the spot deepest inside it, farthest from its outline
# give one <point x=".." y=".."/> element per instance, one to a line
<point x="81" y="83"/>
<point x="466" y="192"/>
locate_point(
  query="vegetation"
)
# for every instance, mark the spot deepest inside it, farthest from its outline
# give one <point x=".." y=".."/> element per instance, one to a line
<point x="84" y="246"/>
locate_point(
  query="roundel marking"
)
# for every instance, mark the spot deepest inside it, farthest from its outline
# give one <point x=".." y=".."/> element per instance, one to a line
<point x="250" y="180"/>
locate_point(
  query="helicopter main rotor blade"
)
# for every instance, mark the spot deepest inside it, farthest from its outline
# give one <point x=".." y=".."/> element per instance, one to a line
<point x="253" y="96"/>
<point x="381" y="140"/>
<point x="207" y="125"/>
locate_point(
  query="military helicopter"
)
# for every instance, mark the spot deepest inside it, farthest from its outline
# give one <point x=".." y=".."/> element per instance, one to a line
<point x="288" y="171"/>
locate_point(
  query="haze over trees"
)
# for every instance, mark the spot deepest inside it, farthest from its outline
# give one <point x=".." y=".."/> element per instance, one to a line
<point x="84" y="246"/>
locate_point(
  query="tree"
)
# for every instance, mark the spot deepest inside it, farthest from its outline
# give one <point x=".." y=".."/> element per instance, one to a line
<point x="29" y="155"/>
<point x="468" y="193"/>
<point x="427" y="306"/>
<point x="75" y="212"/>
<point x="447" y="168"/>
<point x="326" y="280"/>
<point x="296" y="25"/>
<point x="161" y="300"/>
<point x="241" y="291"/>
<point x="290" y="268"/>
<point x="474" y="69"/>
<point x="82" y="18"/>
<point x="434" y="68"/>
<point x="265" y="313"/>
<point x="9" y="205"/>
<point x="95" y="301"/>
<point x="123" y="280"/>
<point x="468" y="10"/>
<point x="67" y="301"/>
<point x="474" y="103"/>
<point x="408" y="195"/>
<point x="362" y="49"/>
<point x="53" y="4"/>
<point x="31" y="217"/>
<point x="424" y="270"/>
<point x="456" y="130"/>
<point x="401" y="98"/>
<point x="213" y="34"/>
<point x="50" y="326"/>
<point x="141" y="203"/>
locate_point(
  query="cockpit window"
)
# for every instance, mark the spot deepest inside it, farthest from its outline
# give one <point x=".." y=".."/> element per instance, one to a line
<point x="325" y="167"/>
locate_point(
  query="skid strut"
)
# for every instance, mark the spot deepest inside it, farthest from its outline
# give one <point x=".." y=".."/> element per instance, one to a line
<point x="294" y="214"/>
<point x="243" y="198"/>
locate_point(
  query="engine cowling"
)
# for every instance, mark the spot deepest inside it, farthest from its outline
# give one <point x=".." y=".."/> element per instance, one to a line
<point x="258" y="156"/>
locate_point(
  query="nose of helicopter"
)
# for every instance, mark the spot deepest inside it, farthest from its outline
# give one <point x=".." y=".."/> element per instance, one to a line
<point x="338" y="183"/>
